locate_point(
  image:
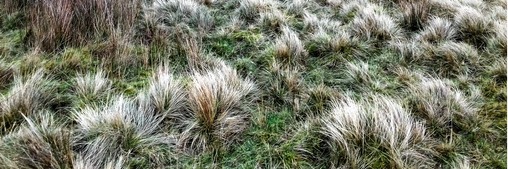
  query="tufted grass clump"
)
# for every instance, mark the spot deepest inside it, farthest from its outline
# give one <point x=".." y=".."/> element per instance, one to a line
<point x="26" y="96"/>
<point x="375" y="132"/>
<point x="217" y="99"/>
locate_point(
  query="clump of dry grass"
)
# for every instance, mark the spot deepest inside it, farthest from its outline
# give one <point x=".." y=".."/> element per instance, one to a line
<point x="26" y="96"/>
<point x="319" y="98"/>
<point x="437" y="30"/>
<point x="452" y="58"/>
<point x="117" y="129"/>
<point x="250" y="10"/>
<point x="170" y="13"/>
<point x="497" y="44"/>
<point x="58" y="23"/>
<point x="443" y="106"/>
<point x="91" y="87"/>
<point x="42" y="142"/>
<point x="165" y="94"/>
<point x="273" y="20"/>
<point x="358" y="130"/>
<point x="409" y="51"/>
<point x="415" y="13"/>
<point x="284" y="85"/>
<point x="217" y="100"/>
<point x="82" y="163"/>
<point x="289" y="48"/>
<point x="372" y="23"/>
<point x="6" y="74"/>
<point x="473" y="27"/>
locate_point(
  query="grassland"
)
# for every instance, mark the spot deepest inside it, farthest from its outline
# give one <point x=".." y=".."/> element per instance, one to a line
<point x="253" y="84"/>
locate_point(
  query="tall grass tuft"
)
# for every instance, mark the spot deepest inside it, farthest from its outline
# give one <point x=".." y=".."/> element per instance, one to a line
<point x="372" y="23"/>
<point x="165" y="95"/>
<point x="415" y="13"/>
<point x="42" y="142"/>
<point x="91" y="87"/>
<point x="27" y="96"/>
<point x="473" y="27"/>
<point x="250" y="10"/>
<point x="170" y="13"/>
<point x="443" y="106"/>
<point x="58" y="23"/>
<point x="289" y="48"/>
<point x="375" y="132"/>
<point x="117" y="129"/>
<point x="217" y="101"/>
<point x="437" y="30"/>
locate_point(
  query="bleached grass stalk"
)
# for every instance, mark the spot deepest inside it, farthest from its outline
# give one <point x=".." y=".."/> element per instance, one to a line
<point x="114" y="130"/>
<point x="92" y="86"/>
<point x="41" y="142"/>
<point x="355" y="128"/>
<point x="27" y="95"/>
<point x="217" y="100"/>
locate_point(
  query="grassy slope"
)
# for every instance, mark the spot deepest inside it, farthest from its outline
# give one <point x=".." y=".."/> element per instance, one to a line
<point x="281" y="123"/>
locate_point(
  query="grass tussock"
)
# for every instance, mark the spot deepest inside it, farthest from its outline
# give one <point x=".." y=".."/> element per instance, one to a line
<point x="26" y="96"/>
<point x="443" y="106"/>
<point x="355" y="128"/>
<point x="284" y="85"/>
<point x="459" y="58"/>
<point x="438" y="30"/>
<point x="217" y="101"/>
<point x="250" y="10"/>
<point x="117" y="129"/>
<point x="473" y="26"/>
<point x="164" y="95"/>
<point x="170" y="13"/>
<point x="173" y="84"/>
<point x="372" y="23"/>
<point x="91" y="87"/>
<point x="42" y="142"/>
<point x="289" y="48"/>
<point x="415" y="13"/>
<point x="55" y="23"/>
